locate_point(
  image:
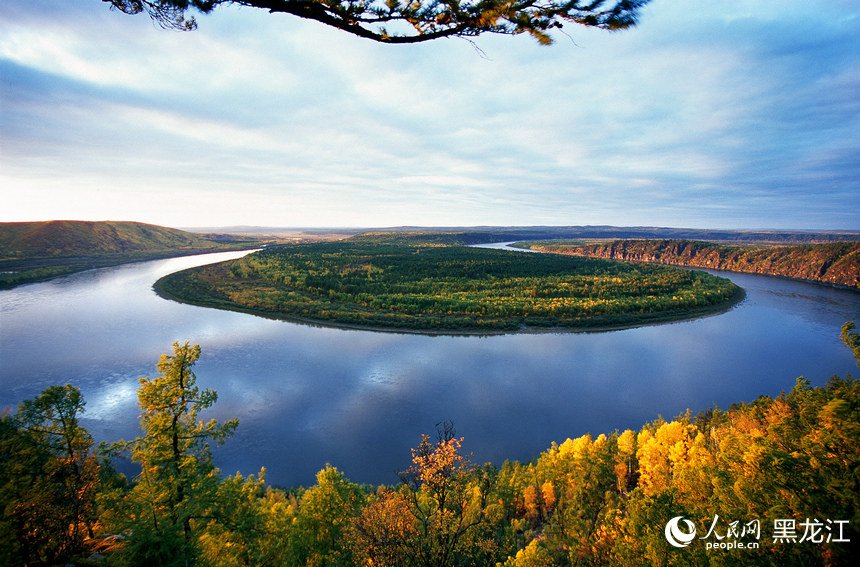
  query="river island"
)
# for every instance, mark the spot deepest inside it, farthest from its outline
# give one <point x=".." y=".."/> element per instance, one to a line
<point x="434" y="283"/>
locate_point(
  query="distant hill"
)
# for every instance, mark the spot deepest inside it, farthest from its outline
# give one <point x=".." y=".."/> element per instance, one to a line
<point x="739" y="237"/>
<point x="502" y="233"/>
<point x="835" y="263"/>
<point x="59" y="239"/>
<point x="31" y="251"/>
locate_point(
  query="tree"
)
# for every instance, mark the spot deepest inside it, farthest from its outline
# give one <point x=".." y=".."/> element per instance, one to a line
<point x="250" y="524"/>
<point x="324" y="517"/>
<point x="178" y="481"/>
<point x="533" y="555"/>
<point x="581" y="499"/>
<point x="412" y="21"/>
<point x="851" y="339"/>
<point x="440" y="516"/>
<point x="48" y="479"/>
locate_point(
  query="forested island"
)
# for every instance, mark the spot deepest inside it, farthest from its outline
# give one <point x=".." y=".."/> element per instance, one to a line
<point x="836" y="263"/>
<point x="431" y="282"/>
<point x="768" y="482"/>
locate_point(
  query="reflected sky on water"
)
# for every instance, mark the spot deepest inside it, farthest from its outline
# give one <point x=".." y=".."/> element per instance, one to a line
<point x="308" y="395"/>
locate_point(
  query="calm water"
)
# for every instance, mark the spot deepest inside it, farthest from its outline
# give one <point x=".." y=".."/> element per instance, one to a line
<point x="307" y="395"/>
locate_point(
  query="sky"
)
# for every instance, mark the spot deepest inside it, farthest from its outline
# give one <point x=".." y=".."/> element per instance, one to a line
<point x="740" y="114"/>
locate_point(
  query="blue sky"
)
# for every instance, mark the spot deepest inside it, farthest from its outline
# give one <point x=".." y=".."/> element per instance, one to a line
<point x="733" y="114"/>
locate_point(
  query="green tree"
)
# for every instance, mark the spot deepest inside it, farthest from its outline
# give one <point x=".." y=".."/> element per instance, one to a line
<point x="397" y="21"/>
<point x="178" y="481"/>
<point x="324" y="517"/>
<point x="533" y="555"/>
<point x="851" y="339"/>
<point x="250" y="524"/>
<point x="48" y="479"/>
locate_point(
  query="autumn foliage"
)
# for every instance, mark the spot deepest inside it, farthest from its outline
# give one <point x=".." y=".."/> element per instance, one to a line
<point x="744" y="474"/>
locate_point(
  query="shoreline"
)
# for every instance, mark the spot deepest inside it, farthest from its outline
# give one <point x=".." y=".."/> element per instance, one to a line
<point x="688" y="266"/>
<point x="666" y="319"/>
<point x="68" y="266"/>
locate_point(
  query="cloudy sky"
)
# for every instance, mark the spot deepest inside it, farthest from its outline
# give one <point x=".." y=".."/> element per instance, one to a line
<point x="732" y="114"/>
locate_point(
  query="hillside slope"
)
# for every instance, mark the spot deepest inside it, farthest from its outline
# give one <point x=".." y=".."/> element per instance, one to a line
<point x="62" y="239"/>
<point x="835" y="263"/>
<point x="32" y="251"/>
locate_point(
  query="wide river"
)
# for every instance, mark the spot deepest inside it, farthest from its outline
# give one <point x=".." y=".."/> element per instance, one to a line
<point x="309" y="395"/>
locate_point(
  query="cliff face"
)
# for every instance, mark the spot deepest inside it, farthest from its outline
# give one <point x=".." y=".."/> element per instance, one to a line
<point x="835" y="263"/>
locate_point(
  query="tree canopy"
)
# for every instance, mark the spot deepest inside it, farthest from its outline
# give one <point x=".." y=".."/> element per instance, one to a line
<point x="413" y="21"/>
<point x="178" y="480"/>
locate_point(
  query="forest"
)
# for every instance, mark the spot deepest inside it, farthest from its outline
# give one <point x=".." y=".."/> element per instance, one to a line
<point x="772" y="481"/>
<point x="432" y="282"/>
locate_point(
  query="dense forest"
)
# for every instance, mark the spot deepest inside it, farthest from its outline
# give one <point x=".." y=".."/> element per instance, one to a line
<point x="431" y="282"/>
<point x="833" y="263"/>
<point x="32" y="251"/>
<point x="770" y="482"/>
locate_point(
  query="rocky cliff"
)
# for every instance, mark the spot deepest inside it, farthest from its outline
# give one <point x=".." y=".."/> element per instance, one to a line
<point x="835" y="263"/>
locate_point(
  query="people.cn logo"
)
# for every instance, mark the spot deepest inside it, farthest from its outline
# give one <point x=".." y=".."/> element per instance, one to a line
<point x="675" y="536"/>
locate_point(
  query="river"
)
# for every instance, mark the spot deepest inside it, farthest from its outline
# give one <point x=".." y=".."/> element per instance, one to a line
<point x="308" y="395"/>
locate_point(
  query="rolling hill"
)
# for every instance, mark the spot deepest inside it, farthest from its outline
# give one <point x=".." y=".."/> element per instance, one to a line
<point x="32" y="251"/>
<point x="63" y="239"/>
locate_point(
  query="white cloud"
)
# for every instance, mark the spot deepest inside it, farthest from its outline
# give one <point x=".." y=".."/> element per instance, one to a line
<point x="702" y="116"/>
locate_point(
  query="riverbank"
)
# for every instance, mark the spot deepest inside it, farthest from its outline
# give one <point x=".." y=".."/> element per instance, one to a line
<point x="38" y="251"/>
<point x="13" y="274"/>
<point x="836" y="263"/>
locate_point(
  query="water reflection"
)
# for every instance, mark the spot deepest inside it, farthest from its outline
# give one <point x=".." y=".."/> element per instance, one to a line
<point x="307" y="395"/>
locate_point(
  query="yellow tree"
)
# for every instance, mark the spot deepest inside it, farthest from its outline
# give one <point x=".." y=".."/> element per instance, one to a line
<point x="583" y="506"/>
<point x="660" y="451"/>
<point x="626" y="467"/>
<point x="448" y="516"/>
<point x="325" y="514"/>
<point x="385" y="533"/>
